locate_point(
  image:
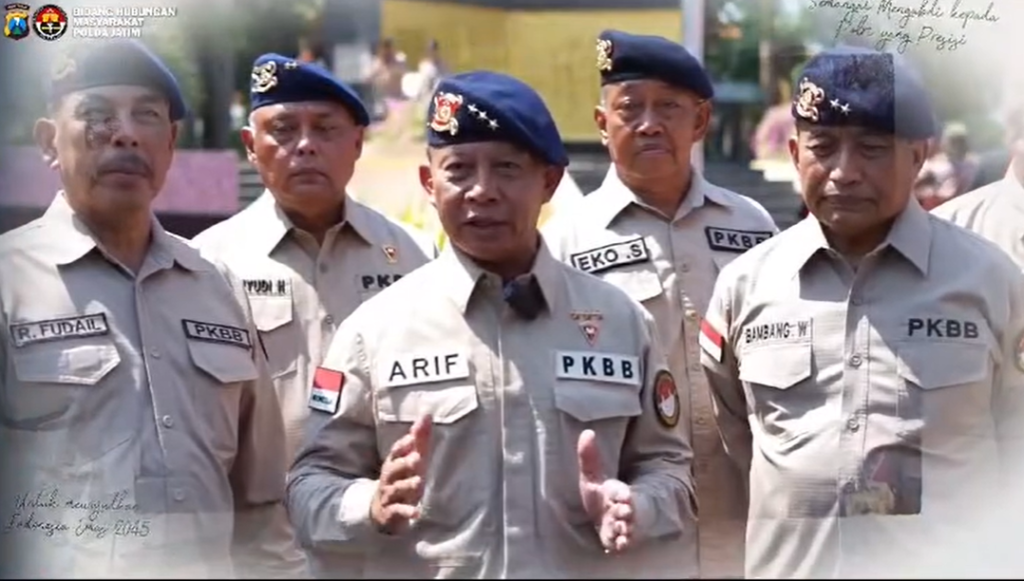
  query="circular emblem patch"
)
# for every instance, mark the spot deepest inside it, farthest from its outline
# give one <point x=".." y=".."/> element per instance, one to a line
<point x="666" y="399"/>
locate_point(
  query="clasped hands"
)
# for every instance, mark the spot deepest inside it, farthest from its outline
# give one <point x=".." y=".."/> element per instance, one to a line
<point x="396" y="503"/>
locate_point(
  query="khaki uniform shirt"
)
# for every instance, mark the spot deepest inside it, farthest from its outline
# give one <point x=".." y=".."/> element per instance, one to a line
<point x="509" y="399"/>
<point x="146" y="439"/>
<point x="876" y="407"/>
<point x="670" y="266"/>
<point x="995" y="211"/>
<point x="301" y="291"/>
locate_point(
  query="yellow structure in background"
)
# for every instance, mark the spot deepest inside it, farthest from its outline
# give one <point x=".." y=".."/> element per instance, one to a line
<point x="552" y="50"/>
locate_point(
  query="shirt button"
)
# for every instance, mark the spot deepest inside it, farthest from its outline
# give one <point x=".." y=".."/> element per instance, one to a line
<point x="155" y="353"/>
<point x="853" y="423"/>
<point x="178" y="495"/>
<point x="856" y="301"/>
<point x="856" y="360"/>
<point x="684" y="267"/>
<point x="329" y="320"/>
<point x="167" y="421"/>
<point x="691" y="314"/>
<point x="323" y="268"/>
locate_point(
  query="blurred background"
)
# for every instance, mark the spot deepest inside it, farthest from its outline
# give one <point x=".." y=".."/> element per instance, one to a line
<point x="394" y="51"/>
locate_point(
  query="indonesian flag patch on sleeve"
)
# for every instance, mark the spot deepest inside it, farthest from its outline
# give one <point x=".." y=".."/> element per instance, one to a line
<point x="711" y="340"/>
<point x="326" y="393"/>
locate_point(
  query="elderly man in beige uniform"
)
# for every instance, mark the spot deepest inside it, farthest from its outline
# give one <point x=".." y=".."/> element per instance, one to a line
<point x="657" y="229"/>
<point x="307" y="252"/>
<point x="866" y="363"/>
<point x="996" y="211"/>
<point x="141" y="431"/>
<point x="479" y="423"/>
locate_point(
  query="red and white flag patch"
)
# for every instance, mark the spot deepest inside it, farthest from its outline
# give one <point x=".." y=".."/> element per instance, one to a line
<point x="326" y="393"/>
<point x="711" y="341"/>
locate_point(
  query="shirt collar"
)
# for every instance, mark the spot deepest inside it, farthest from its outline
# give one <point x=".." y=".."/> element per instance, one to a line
<point x="274" y="224"/>
<point x="74" y="240"/>
<point x="464" y="276"/>
<point x="614" y="197"/>
<point x="910" y="235"/>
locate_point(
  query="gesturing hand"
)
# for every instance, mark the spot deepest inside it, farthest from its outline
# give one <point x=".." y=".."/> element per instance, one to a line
<point x="400" y="487"/>
<point x="608" y="501"/>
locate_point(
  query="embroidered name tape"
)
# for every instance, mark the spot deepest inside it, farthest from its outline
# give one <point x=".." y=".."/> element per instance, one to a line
<point x="267" y="287"/>
<point x="729" y="240"/>
<point x="710" y="340"/>
<point x="590" y="366"/>
<point x="777" y="331"/>
<point x="213" y="333"/>
<point x="93" y="325"/>
<point x="326" y="393"/>
<point x="619" y="254"/>
<point x="425" y="368"/>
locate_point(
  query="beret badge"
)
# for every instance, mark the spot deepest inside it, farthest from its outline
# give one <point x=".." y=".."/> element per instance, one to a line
<point x="264" y="77"/>
<point x="446" y="105"/>
<point x="64" y="67"/>
<point x="810" y="97"/>
<point x="604" y="55"/>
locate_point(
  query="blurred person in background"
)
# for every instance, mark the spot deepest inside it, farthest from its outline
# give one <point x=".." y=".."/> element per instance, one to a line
<point x="950" y="170"/>
<point x="432" y="69"/>
<point x="657" y="229"/>
<point x="866" y="364"/>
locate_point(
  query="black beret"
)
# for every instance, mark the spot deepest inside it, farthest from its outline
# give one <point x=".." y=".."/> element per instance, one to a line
<point x="866" y="88"/>
<point x="279" y="79"/>
<point x="488" y="106"/>
<point x="622" y="56"/>
<point x="115" y="62"/>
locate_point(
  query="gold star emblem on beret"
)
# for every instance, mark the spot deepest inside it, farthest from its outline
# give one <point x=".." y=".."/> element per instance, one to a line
<point x="604" y="55"/>
<point x="264" y="77"/>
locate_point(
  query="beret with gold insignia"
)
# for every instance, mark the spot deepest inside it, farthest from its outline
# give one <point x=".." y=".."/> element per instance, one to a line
<point x="279" y="79"/>
<point x="487" y="106"/>
<point x="866" y="88"/>
<point x="114" y="62"/>
<point x="623" y="56"/>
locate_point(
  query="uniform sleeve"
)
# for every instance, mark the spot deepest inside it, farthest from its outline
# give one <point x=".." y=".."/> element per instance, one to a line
<point x="334" y="477"/>
<point x="721" y="368"/>
<point x="264" y="544"/>
<point x="1008" y="397"/>
<point x="657" y="456"/>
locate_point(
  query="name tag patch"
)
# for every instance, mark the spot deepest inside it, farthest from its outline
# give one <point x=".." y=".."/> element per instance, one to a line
<point x="590" y="366"/>
<point x="376" y="282"/>
<point x="777" y="331"/>
<point x="93" y="325"/>
<point x="729" y="240"/>
<point x="933" y="327"/>
<point x="326" y="393"/>
<point x="426" y="368"/>
<point x="213" y="333"/>
<point x="619" y="254"/>
<point x="267" y="287"/>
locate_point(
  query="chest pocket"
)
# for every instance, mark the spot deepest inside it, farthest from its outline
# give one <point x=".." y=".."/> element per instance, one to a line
<point x="273" y="317"/>
<point x="445" y="403"/>
<point x="641" y="284"/>
<point x="65" y="407"/>
<point x="773" y="375"/>
<point x="945" y="382"/>
<point x="592" y="401"/>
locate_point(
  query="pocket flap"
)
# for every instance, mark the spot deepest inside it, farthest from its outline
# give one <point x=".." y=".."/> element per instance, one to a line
<point x="445" y="404"/>
<point x="642" y="285"/>
<point x="589" y="401"/>
<point x="780" y="365"/>
<point x="942" y="364"/>
<point x="269" y="313"/>
<point x="78" y="365"/>
<point x="225" y="363"/>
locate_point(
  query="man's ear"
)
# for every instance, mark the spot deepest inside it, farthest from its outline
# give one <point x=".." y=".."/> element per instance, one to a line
<point x="427" y="181"/>
<point x="601" y="120"/>
<point x="248" y="140"/>
<point x="552" y="177"/>
<point x="360" y="140"/>
<point x="45" y="135"/>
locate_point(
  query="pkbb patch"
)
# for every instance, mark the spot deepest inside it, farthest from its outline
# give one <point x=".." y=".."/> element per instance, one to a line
<point x="376" y="282"/>
<point x="729" y="240"/>
<point x="605" y="367"/>
<point x="326" y="393"/>
<point x="666" y="399"/>
<point x="425" y="368"/>
<point x="93" y="325"/>
<point x="267" y="287"/>
<point x="213" y="333"/>
<point x="619" y="254"/>
<point x="937" y="328"/>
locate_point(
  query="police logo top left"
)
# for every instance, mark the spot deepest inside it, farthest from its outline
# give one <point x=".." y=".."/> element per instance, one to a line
<point x="50" y="22"/>
<point x="16" y="21"/>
